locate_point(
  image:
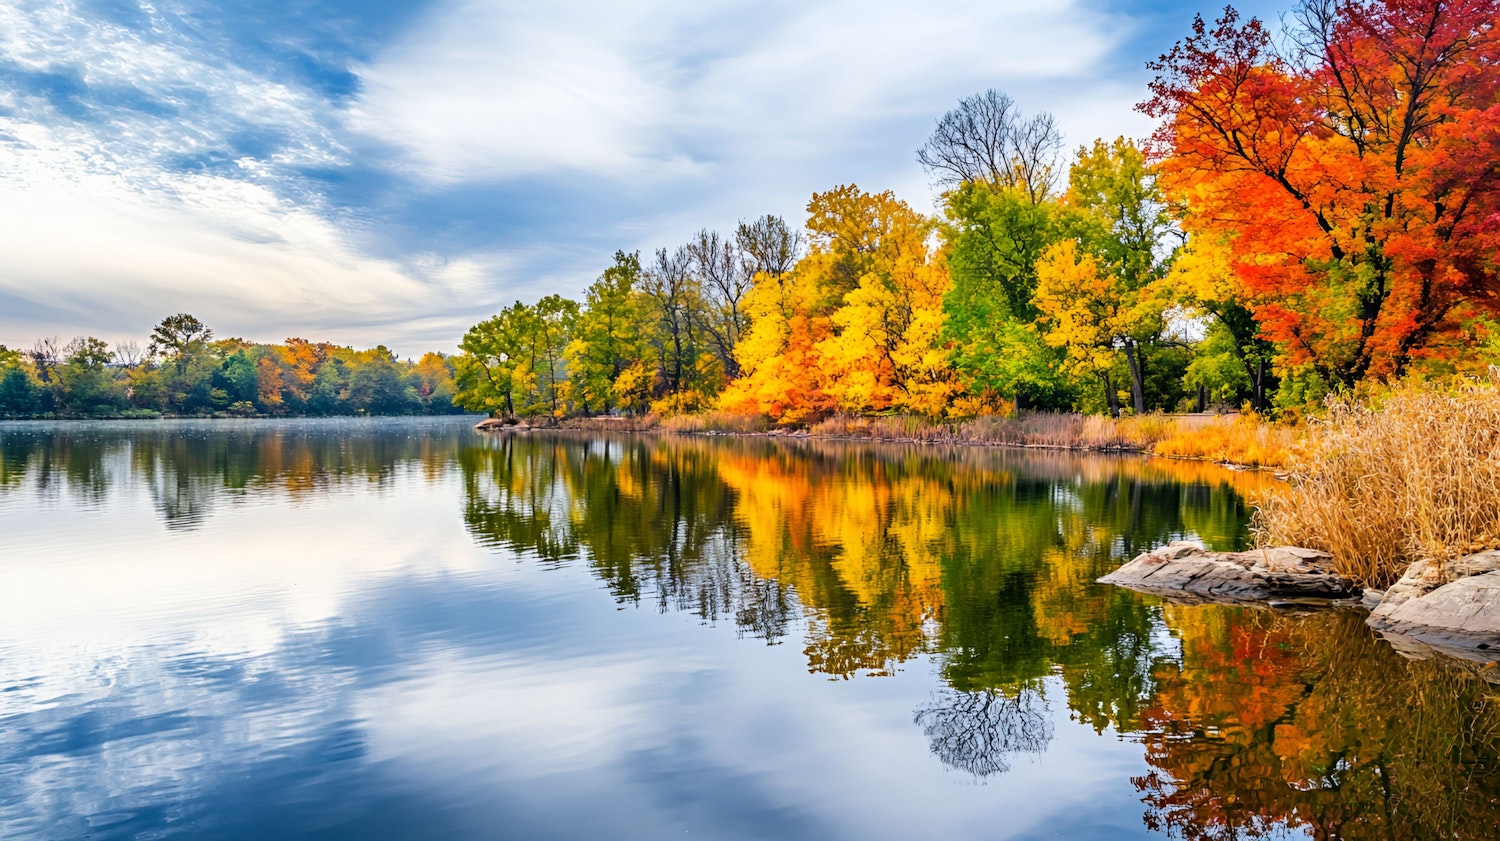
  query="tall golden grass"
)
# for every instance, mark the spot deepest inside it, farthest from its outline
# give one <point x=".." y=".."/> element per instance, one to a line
<point x="1245" y="439"/>
<point x="1412" y="476"/>
<point x="727" y="422"/>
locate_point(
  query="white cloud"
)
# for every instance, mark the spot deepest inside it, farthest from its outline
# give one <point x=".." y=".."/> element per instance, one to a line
<point x="95" y="245"/>
<point x="644" y="91"/>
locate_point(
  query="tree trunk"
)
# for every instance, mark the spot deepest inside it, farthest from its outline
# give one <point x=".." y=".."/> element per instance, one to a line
<point x="1137" y="384"/>
<point x="1202" y="399"/>
<point x="1110" y="395"/>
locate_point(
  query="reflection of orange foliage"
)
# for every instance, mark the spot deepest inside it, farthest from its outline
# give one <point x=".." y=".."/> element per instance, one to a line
<point x="1269" y="724"/>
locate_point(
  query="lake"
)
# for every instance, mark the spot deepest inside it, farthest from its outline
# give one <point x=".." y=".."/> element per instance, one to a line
<point x="403" y="629"/>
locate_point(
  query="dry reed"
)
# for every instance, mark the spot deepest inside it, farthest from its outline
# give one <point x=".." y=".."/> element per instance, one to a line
<point x="1246" y="440"/>
<point x="726" y="422"/>
<point x="1416" y="477"/>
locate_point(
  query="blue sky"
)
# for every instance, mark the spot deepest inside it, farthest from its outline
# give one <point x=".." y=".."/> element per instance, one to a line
<point x="381" y="172"/>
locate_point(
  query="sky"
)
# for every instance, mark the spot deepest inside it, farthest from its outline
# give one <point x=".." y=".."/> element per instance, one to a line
<point x="381" y="172"/>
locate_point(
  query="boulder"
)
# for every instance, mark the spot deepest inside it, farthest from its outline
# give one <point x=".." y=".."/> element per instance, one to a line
<point x="1187" y="572"/>
<point x="1451" y="606"/>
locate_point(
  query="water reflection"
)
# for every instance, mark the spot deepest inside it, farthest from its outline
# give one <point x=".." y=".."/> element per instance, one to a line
<point x="984" y="558"/>
<point x="1325" y="731"/>
<point x="384" y="630"/>
<point x="978" y="732"/>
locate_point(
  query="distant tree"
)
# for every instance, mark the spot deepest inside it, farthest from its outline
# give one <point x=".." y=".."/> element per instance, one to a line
<point x="129" y="354"/>
<point x="178" y="337"/>
<point x="85" y="384"/>
<point x="45" y="355"/>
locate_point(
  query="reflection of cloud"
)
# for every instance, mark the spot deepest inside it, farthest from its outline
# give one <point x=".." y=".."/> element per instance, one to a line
<point x="536" y="718"/>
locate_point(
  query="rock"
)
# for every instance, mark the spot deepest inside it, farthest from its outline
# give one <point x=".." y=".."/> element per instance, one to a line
<point x="1423" y="577"/>
<point x="1450" y="606"/>
<point x="1186" y="572"/>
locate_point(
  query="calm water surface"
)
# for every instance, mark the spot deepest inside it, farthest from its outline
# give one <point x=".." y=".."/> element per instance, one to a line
<point x="405" y="630"/>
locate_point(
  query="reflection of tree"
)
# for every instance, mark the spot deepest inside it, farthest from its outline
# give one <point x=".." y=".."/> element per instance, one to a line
<point x="987" y="558"/>
<point x="652" y="521"/>
<point x="1270" y="724"/>
<point x="189" y="467"/>
<point x="976" y="731"/>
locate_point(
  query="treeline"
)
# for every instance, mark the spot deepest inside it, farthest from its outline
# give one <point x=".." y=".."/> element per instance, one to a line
<point x="184" y="371"/>
<point x="1314" y="219"/>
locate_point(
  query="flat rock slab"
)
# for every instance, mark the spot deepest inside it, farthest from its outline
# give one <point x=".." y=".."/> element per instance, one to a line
<point x="1461" y="618"/>
<point x="1186" y="572"/>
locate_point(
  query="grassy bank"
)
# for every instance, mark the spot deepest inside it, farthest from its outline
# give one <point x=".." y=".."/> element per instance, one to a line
<point x="1414" y="475"/>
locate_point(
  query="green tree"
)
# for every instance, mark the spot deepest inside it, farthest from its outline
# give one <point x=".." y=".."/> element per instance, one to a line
<point x="86" y="385"/>
<point x="489" y="372"/>
<point x="607" y="337"/>
<point x="995" y="237"/>
<point x="1100" y="291"/>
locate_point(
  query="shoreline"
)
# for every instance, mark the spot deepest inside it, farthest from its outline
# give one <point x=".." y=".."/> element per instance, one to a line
<point x="938" y="435"/>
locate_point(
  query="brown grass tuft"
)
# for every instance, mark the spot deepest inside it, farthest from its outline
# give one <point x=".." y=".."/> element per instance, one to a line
<point x="1415" y="477"/>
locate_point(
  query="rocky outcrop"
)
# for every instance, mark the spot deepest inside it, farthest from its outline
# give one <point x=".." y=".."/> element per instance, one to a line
<point x="1450" y="606"/>
<point x="1186" y="572"/>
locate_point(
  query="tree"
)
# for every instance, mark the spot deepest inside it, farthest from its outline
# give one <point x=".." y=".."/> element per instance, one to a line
<point x="855" y="324"/>
<point x="772" y="246"/>
<point x="995" y="236"/>
<point x="986" y="140"/>
<point x="178" y="337"/>
<point x="1122" y="219"/>
<point x="1353" y="180"/>
<point x="1234" y="360"/>
<point x="607" y="338"/>
<point x="724" y="274"/>
<point x="85" y="385"/>
<point x="488" y="371"/>
<point x="378" y="384"/>
<point x="676" y="306"/>
<point x="885" y="350"/>
<point x="432" y="378"/>
<point x="1082" y="306"/>
<point x="551" y="326"/>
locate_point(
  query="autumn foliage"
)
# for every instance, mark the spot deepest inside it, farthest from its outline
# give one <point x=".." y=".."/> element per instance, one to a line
<point x="1317" y="211"/>
<point x="1352" y="177"/>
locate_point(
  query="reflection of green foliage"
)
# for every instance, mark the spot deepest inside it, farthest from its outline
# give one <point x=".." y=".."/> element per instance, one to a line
<point x="188" y="475"/>
<point x="1014" y="554"/>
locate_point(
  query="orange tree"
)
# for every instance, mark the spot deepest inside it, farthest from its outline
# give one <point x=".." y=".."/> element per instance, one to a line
<point x="1354" y="174"/>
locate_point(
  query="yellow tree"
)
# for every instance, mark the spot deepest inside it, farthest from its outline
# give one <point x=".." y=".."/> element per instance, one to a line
<point x="885" y="351"/>
<point x="1083" y="310"/>
<point x="855" y="324"/>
